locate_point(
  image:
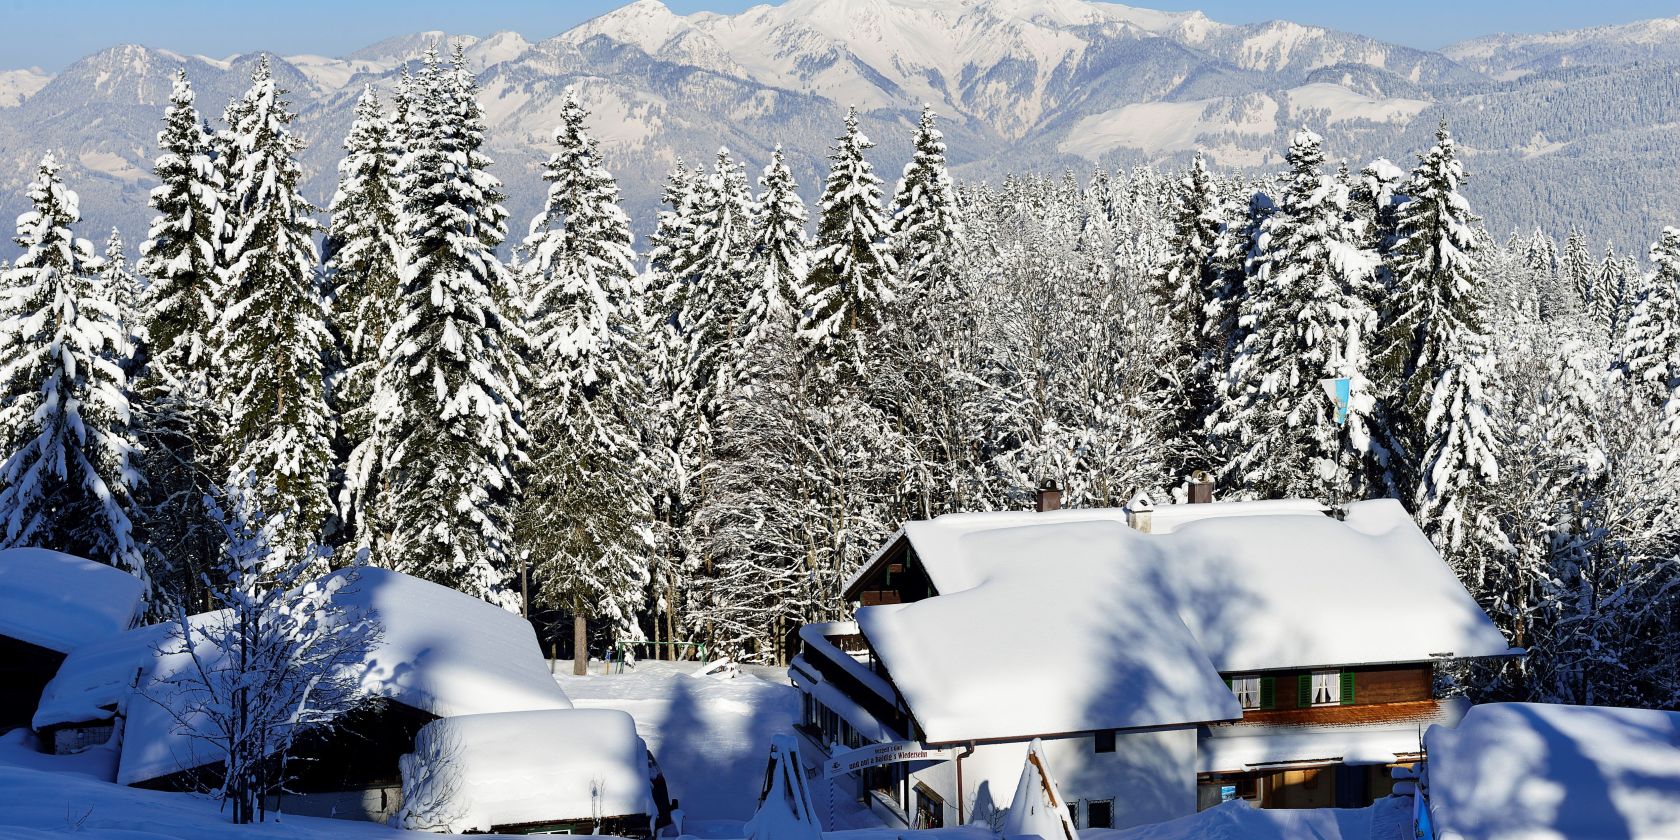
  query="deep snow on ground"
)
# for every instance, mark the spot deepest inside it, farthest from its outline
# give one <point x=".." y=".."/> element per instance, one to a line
<point x="1388" y="819"/>
<point x="45" y="796"/>
<point x="711" y="736"/>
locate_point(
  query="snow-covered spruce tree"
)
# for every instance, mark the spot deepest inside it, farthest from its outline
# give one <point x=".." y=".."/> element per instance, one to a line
<point x="852" y="268"/>
<point x="1308" y="319"/>
<point x="178" y="424"/>
<point x="777" y="259"/>
<point x="1435" y="351"/>
<point x="926" y="230"/>
<point x="672" y="418"/>
<point x="67" y="477"/>
<point x="1650" y="348"/>
<point x="711" y="297"/>
<point x="448" y="414"/>
<point x="1436" y="297"/>
<point x="1610" y="302"/>
<point x="279" y="657"/>
<point x="272" y="335"/>
<point x="363" y="263"/>
<point x="585" y="512"/>
<point x="1183" y="285"/>
<point x="1577" y="269"/>
<point x="119" y="285"/>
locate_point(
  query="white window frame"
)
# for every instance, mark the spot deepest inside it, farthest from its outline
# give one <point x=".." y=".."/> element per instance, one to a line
<point x="1327" y="688"/>
<point x="1247" y="690"/>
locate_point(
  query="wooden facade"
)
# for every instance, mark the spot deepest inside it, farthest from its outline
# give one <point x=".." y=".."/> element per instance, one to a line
<point x="896" y="576"/>
<point x="1377" y="685"/>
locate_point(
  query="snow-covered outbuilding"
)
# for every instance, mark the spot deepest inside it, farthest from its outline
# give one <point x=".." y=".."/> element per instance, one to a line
<point x="1167" y="658"/>
<point x="51" y="604"/>
<point x="439" y="653"/>
<point x="570" y="771"/>
<point x="1539" y="771"/>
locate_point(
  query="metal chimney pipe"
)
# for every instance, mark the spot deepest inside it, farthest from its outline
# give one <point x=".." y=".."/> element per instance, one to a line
<point x="1048" y="496"/>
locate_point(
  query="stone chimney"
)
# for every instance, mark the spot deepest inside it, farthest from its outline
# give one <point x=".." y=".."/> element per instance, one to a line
<point x="1048" y="496"/>
<point x="1201" y="487"/>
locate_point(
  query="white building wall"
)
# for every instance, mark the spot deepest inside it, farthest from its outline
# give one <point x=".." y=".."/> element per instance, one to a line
<point x="1150" y="776"/>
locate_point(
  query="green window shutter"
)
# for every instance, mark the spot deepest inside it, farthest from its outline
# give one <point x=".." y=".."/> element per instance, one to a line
<point x="1347" y="688"/>
<point x="1303" y="698"/>
<point x="1268" y="692"/>
<point x="1227" y="682"/>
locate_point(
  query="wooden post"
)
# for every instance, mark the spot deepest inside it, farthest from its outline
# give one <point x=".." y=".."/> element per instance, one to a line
<point x="580" y="644"/>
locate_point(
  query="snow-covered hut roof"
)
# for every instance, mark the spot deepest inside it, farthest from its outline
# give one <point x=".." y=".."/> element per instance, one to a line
<point x="1541" y="771"/>
<point x="1366" y="589"/>
<point x="473" y="772"/>
<point x="1079" y="638"/>
<point x="439" y="651"/>
<point x="1070" y="620"/>
<point x="59" y="602"/>
<point x="96" y="679"/>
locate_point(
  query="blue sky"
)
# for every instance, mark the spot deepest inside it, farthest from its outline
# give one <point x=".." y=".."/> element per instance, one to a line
<point x="53" y="34"/>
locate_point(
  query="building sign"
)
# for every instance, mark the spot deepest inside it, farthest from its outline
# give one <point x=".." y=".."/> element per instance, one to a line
<point x="876" y="755"/>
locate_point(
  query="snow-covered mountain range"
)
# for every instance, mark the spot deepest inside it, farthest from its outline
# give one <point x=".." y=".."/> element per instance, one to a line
<point x="1569" y="128"/>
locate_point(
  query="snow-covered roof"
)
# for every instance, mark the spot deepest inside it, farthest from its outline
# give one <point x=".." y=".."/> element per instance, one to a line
<point x="440" y="651"/>
<point x="1366" y="589"/>
<point x="1078" y="638"/>
<point x="96" y="679"/>
<point x="59" y="602"/>
<point x="473" y="772"/>
<point x="1540" y="771"/>
<point x="1071" y="620"/>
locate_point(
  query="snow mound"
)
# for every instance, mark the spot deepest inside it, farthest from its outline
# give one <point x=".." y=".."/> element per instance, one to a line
<point x="1532" y="770"/>
<point x="60" y="602"/>
<point x="1038" y="809"/>
<point x="476" y="771"/>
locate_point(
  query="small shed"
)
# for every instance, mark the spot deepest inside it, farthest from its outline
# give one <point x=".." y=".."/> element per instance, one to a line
<point x="50" y="604"/>
<point x="566" y="771"/>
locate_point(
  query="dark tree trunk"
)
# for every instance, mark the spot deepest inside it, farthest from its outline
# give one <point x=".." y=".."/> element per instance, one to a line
<point x="580" y="644"/>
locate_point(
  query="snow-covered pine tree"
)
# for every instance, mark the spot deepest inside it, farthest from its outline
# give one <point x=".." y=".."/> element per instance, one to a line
<point x="777" y="259"/>
<point x="123" y="289"/>
<point x="670" y="422"/>
<point x="1435" y="351"/>
<point x="178" y="423"/>
<point x="1183" y="285"/>
<point x="1650" y="352"/>
<point x="852" y="268"/>
<point x="926" y="230"/>
<point x="272" y="334"/>
<point x="1610" y="302"/>
<point x="67" y="477"/>
<point x="448" y="416"/>
<point x="1576" y="266"/>
<point x="711" y="298"/>
<point x="585" y="513"/>
<point x="1308" y="320"/>
<point x="363" y="263"/>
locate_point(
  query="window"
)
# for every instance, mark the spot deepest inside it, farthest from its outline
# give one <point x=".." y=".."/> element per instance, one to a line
<point x="1073" y="811"/>
<point x="1247" y="690"/>
<point x="1104" y="741"/>
<point x="1327" y="688"/>
<point x="1099" y="813"/>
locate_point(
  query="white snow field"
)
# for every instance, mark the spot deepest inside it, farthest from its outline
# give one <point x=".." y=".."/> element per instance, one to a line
<point x="1539" y="771"/>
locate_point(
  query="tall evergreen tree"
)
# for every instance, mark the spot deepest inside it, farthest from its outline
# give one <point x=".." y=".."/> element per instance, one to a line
<point x="926" y="230"/>
<point x="777" y="259"/>
<point x="852" y="269"/>
<point x="179" y="424"/>
<point x="1577" y="270"/>
<point x="1308" y="321"/>
<point x="712" y="295"/>
<point x="67" y="475"/>
<point x="1435" y="349"/>
<point x="123" y="290"/>
<point x="585" y="513"/>
<point x="363" y="264"/>
<point x="448" y="412"/>
<point x="272" y="335"/>
<point x="1650" y="354"/>
<point x="1184" y="285"/>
